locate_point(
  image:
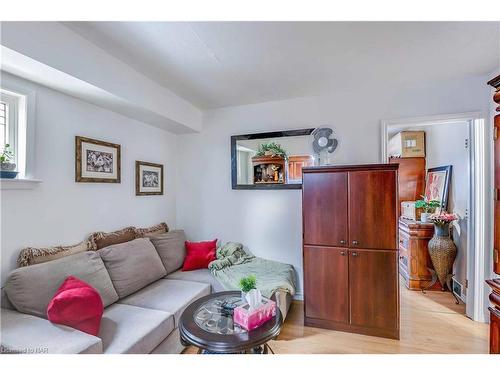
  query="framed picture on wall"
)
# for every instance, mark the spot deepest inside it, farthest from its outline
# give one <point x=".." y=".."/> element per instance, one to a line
<point x="148" y="178"/>
<point x="437" y="185"/>
<point x="97" y="161"/>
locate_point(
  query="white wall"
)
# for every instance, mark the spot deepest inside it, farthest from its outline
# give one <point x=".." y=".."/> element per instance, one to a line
<point x="269" y="222"/>
<point x="60" y="211"/>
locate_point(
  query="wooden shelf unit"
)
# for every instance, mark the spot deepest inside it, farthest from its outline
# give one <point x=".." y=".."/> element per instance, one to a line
<point x="269" y="162"/>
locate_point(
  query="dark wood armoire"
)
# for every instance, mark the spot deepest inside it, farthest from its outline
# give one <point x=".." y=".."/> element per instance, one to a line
<point x="350" y="248"/>
<point x="495" y="283"/>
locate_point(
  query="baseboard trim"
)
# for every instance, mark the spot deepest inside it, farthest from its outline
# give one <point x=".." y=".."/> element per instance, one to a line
<point x="345" y="327"/>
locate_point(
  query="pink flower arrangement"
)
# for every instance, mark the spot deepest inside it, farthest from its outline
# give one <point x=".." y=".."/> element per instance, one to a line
<point x="443" y="218"/>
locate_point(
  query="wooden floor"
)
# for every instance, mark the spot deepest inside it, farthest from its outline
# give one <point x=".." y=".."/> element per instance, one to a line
<point x="430" y="323"/>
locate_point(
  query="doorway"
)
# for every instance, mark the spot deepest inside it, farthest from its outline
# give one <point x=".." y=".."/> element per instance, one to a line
<point x="457" y="140"/>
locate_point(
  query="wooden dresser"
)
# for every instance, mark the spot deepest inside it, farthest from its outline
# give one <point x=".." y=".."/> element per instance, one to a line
<point x="350" y="249"/>
<point x="414" y="259"/>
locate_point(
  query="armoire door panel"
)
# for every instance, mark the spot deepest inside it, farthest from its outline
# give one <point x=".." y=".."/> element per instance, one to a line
<point x="373" y="288"/>
<point x="325" y="209"/>
<point x="372" y="208"/>
<point x="326" y="283"/>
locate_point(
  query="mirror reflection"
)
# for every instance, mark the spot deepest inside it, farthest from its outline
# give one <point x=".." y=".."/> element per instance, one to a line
<point x="277" y="160"/>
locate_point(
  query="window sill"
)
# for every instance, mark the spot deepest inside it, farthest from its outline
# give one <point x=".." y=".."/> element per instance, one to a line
<point x="18" y="183"/>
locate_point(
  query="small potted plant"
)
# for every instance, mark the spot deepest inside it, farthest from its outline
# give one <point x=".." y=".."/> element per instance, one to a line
<point x="247" y="284"/>
<point x="429" y="207"/>
<point x="6" y="165"/>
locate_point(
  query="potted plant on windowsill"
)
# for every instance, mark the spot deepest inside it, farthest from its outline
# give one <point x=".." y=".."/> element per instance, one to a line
<point x="6" y="165"/>
<point x="429" y="207"/>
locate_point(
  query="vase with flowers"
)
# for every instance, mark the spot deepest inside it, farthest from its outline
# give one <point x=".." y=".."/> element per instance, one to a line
<point x="442" y="249"/>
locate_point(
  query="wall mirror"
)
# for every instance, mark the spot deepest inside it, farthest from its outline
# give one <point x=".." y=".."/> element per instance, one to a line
<point x="272" y="160"/>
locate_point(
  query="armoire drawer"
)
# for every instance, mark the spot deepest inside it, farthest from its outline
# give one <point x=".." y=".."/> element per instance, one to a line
<point x="404" y="241"/>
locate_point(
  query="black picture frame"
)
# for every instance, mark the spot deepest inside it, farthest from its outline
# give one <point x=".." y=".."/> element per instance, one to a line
<point x="448" y="169"/>
<point x="275" y="134"/>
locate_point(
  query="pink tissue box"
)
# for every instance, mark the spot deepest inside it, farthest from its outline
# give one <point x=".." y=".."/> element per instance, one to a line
<point x="251" y="319"/>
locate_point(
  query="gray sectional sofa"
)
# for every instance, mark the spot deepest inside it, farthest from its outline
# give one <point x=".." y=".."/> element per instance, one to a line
<point x="143" y="296"/>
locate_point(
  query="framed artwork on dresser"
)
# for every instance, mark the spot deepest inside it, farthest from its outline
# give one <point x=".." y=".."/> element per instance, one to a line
<point x="437" y="184"/>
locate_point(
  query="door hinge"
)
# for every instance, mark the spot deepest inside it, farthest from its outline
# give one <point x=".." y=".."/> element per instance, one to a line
<point x="466" y="283"/>
<point x="466" y="143"/>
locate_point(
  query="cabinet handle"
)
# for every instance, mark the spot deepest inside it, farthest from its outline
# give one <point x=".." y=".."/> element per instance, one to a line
<point x="354" y="242"/>
<point x="354" y="254"/>
<point x="342" y="242"/>
<point x="342" y="253"/>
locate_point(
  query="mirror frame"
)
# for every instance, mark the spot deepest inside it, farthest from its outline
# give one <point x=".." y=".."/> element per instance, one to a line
<point x="276" y="134"/>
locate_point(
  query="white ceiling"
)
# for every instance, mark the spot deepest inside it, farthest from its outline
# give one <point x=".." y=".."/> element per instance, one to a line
<point x="216" y="64"/>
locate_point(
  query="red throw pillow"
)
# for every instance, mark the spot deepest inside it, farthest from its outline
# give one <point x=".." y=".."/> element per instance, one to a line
<point x="76" y="304"/>
<point x="199" y="254"/>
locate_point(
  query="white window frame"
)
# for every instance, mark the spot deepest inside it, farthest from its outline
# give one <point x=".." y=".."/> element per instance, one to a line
<point x="12" y="116"/>
<point x="24" y="133"/>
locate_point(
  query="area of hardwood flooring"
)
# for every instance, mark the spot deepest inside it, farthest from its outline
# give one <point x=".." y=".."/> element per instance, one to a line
<point x="430" y="323"/>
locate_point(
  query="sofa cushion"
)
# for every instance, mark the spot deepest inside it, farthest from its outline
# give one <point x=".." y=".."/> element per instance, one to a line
<point x="172" y="296"/>
<point x="98" y="240"/>
<point x="201" y="276"/>
<point x="77" y="304"/>
<point x="132" y="265"/>
<point x="131" y="329"/>
<point x="4" y="301"/>
<point x="171" y="249"/>
<point x="31" y="288"/>
<point x="22" y="333"/>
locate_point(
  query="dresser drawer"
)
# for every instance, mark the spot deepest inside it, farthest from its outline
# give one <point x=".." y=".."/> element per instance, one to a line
<point x="404" y="241"/>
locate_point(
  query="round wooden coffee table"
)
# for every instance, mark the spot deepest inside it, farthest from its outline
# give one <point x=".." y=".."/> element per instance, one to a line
<point x="205" y="325"/>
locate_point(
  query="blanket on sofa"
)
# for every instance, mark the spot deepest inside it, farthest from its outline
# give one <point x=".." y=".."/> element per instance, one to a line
<point x="233" y="263"/>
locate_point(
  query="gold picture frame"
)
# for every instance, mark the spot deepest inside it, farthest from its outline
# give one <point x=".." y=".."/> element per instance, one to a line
<point x="149" y="178"/>
<point x="97" y="161"/>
